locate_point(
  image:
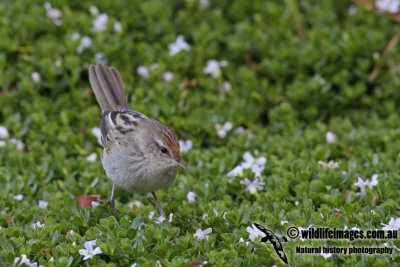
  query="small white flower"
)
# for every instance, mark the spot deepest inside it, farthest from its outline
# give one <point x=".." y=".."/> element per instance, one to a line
<point x="254" y="186"/>
<point x="94" y="11"/>
<point x="242" y="240"/>
<point x="154" y="66"/>
<point x="20" y="145"/>
<point x="238" y="170"/>
<point x="74" y="244"/>
<point x="352" y="10"/>
<point x="85" y="42"/>
<point x="302" y="229"/>
<point x="239" y="130"/>
<point x="51" y="259"/>
<point x="215" y="212"/>
<point x="257" y="170"/>
<point x="223" y="215"/>
<point x="355" y="229"/>
<point x="117" y="26"/>
<point x="394" y="224"/>
<point x="91" y="158"/>
<point x="95" y="204"/>
<point x="330" y="165"/>
<point x="296" y="203"/>
<point x="158" y="220"/>
<point x="226" y="86"/>
<point x="2" y="143"/>
<point x="151" y="215"/>
<point x="100" y="23"/>
<point x="203" y="234"/>
<point x="283" y="222"/>
<point x="53" y="13"/>
<point x="94" y="183"/>
<point x="255" y="164"/>
<point x="330" y="137"/>
<point x="223" y="129"/>
<point x="3" y="132"/>
<point x="213" y="68"/>
<point x="167" y="76"/>
<point x="185" y="145"/>
<point x="376" y="55"/>
<point x="99" y="57"/>
<point x="97" y="132"/>
<point x="250" y="161"/>
<point x="191" y="196"/>
<point x="24" y="261"/>
<point x="37" y="225"/>
<point x="374" y="181"/>
<point x="18" y="197"/>
<point x="75" y="36"/>
<point x="178" y="46"/>
<point x="254" y="232"/>
<point x="89" y="252"/>
<point x="362" y="184"/>
<point x="143" y="71"/>
<point x="35" y="77"/>
<point x="373" y="212"/>
<point x="391" y="6"/>
<point x="204" y="3"/>
<point x="133" y="265"/>
<point x="326" y="255"/>
<point x="43" y="204"/>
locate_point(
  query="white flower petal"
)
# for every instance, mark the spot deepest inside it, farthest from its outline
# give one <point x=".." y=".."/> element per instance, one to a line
<point x="18" y="197"/>
<point x="35" y="77"/>
<point x="3" y="132"/>
<point x="178" y="46"/>
<point x="143" y="71"/>
<point x="167" y="76"/>
<point x="330" y="137"/>
<point x="191" y="196"/>
<point x="100" y="23"/>
<point x="391" y="6"/>
<point x="185" y="145"/>
<point x="91" y="158"/>
<point x="43" y="204"/>
<point x="117" y="26"/>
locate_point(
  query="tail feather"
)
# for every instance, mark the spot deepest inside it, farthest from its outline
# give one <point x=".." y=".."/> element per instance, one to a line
<point x="108" y="87"/>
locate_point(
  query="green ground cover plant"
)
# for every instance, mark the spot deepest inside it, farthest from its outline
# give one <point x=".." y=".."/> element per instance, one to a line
<point x="279" y="92"/>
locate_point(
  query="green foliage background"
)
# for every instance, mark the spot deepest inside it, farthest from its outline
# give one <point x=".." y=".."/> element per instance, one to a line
<point x="287" y="92"/>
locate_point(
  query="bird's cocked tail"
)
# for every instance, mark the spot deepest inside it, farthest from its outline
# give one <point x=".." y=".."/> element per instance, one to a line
<point x="107" y="86"/>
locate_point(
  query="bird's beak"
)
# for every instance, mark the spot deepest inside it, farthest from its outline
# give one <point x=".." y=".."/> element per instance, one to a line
<point x="180" y="164"/>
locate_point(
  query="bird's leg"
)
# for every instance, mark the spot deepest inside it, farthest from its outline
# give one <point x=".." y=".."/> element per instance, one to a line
<point x="151" y="202"/>
<point x="112" y="200"/>
<point x="158" y="204"/>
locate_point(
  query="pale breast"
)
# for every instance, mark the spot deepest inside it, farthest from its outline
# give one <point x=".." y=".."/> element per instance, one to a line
<point x="135" y="174"/>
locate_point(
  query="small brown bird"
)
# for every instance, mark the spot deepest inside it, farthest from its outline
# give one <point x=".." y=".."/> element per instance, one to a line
<point x="140" y="154"/>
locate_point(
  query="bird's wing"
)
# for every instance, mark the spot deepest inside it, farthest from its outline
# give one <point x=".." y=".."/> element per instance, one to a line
<point x="115" y="125"/>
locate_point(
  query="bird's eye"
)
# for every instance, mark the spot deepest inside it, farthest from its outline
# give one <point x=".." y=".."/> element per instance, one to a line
<point x="164" y="150"/>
